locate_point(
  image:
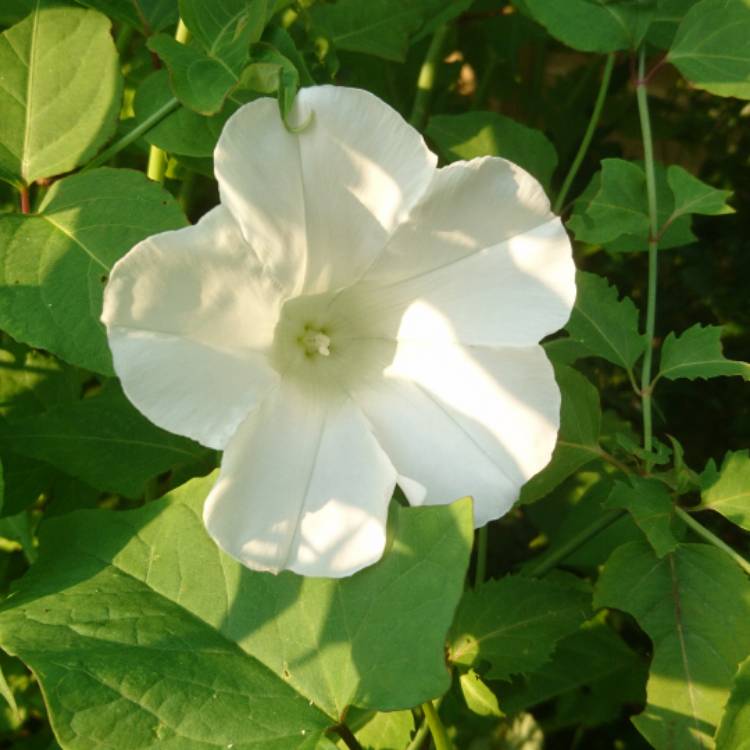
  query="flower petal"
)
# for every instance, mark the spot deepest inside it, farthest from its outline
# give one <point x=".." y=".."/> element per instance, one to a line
<point x="318" y="205"/>
<point x="484" y="251"/>
<point x="303" y="486"/>
<point x="189" y="316"/>
<point x="466" y="421"/>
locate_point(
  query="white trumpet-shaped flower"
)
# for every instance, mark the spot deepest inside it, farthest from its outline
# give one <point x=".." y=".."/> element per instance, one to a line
<point x="348" y="318"/>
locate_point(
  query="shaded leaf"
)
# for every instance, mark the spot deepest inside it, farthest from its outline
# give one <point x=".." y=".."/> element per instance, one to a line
<point x="474" y="134"/>
<point x="378" y="27"/>
<point x="694" y="604"/>
<point x="592" y="673"/>
<point x="649" y="503"/>
<point x="578" y="438"/>
<point x="711" y="49"/>
<point x="593" y="25"/>
<point x="513" y="623"/>
<point x="605" y="324"/>
<point x="44" y="131"/>
<point x="102" y="440"/>
<point x="728" y="492"/>
<point x="54" y="264"/>
<point x="147" y="16"/>
<point x="697" y="353"/>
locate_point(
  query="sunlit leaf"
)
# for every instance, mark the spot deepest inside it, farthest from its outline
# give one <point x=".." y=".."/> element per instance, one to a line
<point x="729" y="492"/>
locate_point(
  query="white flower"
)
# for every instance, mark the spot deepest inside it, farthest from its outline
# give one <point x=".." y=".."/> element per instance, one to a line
<point x="348" y="318"/>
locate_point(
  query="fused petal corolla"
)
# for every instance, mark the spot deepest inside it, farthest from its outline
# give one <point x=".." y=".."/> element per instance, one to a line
<point x="348" y="318"/>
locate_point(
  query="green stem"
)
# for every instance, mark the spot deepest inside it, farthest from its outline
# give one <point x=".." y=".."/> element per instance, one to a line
<point x="437" y="730"/>
<point x="588" y="135"/>
<point x="601" y="523"/>
<point x="150" y="122"/>
<point x="480" y="572"/>
<point x="346" y="734"/>
<point x="711" y="538"/>
<point x="419" y="737"/>
<point x="157" y="159"/>
<point x="23" y="192"/>
<point x="653" y="243"/>
<point x="426" y="80"/>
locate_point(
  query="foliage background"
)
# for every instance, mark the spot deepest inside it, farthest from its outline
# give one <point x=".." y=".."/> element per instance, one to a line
<point x="577" y="677"/>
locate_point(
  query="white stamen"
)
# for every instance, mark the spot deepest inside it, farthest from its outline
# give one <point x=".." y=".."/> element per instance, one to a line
<point x="317" y="343"/>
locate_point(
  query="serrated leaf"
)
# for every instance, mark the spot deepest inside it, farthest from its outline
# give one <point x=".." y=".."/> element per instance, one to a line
<point x="593" y="25"/>
<point x="694" y="604"/>
<point x="697" y="353"/>
<point x="148" y="16"/>
<point x="676" y="230"/>
<point x="649" y="503"/>
<point x="479" y="698"/>
<point x="54" y="264"/>
<point x="711" y="49"/>
<point x="578" y="437"/>
<point x="605" y="324"/>
<point x="734" y="730"/>
<point x="591" y="673"/>
<point x="474" y="134"/>
<point x="170" y="640"/>
<point x="44" y="130"/>
<point x="728" y="492"/>
<point x="693" y="196"/>
<point x="102" y="440"/>
<point x="513" y="624"/>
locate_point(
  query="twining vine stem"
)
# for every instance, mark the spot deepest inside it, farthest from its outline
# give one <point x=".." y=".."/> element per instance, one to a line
<point x="653" y="246"/>
<point x="588" y="135"/>
<point x="426" y="80"/>
<point x="710" y="537"/>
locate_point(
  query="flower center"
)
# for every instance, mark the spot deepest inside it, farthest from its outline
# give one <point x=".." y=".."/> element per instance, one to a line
<point x="315" y="342"/>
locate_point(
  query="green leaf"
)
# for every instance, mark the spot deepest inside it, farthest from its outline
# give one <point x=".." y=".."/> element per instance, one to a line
<point x="199" y="81"/>
<point x="479" y="698"/>
<point x="605" y="324"/>
<point x="54" y="264"/>
<point x="710" y="48"/>
<point x="513" y="623"/>
<point x="667" y="18"/>
<point x="184" y="132"/>
<point x="102" y="440"/>
<point x="383" y="731"/>
<point x="578" y="438"/>
<point x="592" y="673"/>
<point x="593" y="25"/>
<point x="45" y="130"/>
<point x="729" y="492"/>
<point x="377" y="27"/>
<point x="694" y="604"/>
<point x="649" y="503"/>
<point x="734" y="730"/>
<point x="203" y="72"/>
<point x="473" y="134"/>
<point x="225" y="29"/>
<point x="697" y="353"/>
<point x="692" y="196"/>
<point x="629" y="210"/>
<point x="172" y="641"/>
<point x="148" y="16"/>
<point x="7" y="694"/>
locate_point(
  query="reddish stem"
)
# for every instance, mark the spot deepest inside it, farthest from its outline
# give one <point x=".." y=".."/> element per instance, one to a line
<point x="25" y="206"/>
